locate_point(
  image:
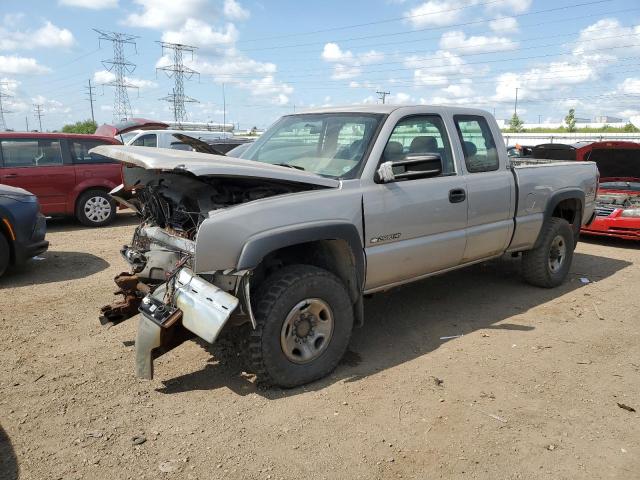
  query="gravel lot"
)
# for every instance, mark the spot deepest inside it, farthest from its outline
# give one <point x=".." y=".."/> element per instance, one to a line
<point x="531" y="390"/>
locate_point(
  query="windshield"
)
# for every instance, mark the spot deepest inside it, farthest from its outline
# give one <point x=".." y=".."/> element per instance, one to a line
<point x="631" y="186"/>
<point x="329" y="144"/>
<point x="125" y="137"/>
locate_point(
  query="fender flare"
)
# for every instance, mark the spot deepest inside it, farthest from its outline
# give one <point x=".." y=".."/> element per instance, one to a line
<point x="552" y="203"/>
<point x="259" y="246"/>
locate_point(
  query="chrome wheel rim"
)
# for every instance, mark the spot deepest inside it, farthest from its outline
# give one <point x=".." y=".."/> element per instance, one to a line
<point x="307" y="330"/>
<point x="557" y="253"/>
<point x="97" y="209"/>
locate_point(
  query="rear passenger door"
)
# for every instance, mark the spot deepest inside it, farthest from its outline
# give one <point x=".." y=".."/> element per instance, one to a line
<point x="92" y="169"/>
<point x="489" y="190"/>
<point x="40" y="166"/>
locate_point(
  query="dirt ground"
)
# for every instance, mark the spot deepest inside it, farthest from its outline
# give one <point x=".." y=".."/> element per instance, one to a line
<point x="531" y="390"/>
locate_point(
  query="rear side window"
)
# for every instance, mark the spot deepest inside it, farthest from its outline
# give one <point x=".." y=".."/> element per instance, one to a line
<point x="31" y="152"/>
<point x="80" y="152"/>
<point x="478" y="145"/>
<point x="149" y="140"/>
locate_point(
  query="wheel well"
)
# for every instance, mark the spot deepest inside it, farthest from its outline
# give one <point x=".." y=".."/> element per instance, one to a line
<point x="4" y="232"/>
<point x="88" y="189"/>
<point x="334" y="256"/>
<point x="569" y="209"/>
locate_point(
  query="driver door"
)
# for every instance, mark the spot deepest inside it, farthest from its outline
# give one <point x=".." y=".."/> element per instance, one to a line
<point x="415" y="227"/>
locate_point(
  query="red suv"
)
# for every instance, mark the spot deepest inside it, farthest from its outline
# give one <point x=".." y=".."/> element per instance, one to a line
<point x="60" y="171"/>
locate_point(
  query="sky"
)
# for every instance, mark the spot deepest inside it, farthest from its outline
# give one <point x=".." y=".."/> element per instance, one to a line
<point x="275" y="57"/>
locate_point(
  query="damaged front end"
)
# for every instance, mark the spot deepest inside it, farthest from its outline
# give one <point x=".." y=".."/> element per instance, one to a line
<point x="176" y="300"/>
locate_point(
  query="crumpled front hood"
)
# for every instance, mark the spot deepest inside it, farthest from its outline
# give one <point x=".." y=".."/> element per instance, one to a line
<point x="203" y="164"/>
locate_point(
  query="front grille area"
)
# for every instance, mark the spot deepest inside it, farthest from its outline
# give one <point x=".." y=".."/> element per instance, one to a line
<point x="604" y="210"/>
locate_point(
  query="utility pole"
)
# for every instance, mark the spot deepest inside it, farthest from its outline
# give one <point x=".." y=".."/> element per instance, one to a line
<point x="539" y="119"/>
<point x="3" y="124"/>
<point x="179" y="72"/>
<point x="38" y="113"/>
<point x="26" y="120"/>
<point x="91" y="98"/>
<point x="224" y="109"/>
<point x="515" y="106"/>
<point x="120" y="66"/>
<point x="383" y="96"/>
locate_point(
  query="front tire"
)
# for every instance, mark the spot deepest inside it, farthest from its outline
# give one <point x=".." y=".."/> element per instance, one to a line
<point x="548" y="264"/>
<point x="304" y="320"/>
<point x="5" y="255"/>
<point x="95" y="208"/>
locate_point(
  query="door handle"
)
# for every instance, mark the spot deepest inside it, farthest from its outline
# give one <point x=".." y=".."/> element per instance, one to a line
<point x="11" y="175"/>
<point x="457" y="195"/>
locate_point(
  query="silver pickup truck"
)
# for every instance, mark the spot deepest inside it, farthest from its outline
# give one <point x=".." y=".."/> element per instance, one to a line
<point x="325" y="207"/>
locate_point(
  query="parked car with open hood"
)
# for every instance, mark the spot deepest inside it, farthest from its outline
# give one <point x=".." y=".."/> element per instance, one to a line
<point x="22" y="227"/>
<point x="326" y="207"/>
<point x="618" y="201"/>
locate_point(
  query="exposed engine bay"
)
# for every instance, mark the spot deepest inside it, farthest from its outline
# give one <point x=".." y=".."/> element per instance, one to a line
<point x="619" y="200"/>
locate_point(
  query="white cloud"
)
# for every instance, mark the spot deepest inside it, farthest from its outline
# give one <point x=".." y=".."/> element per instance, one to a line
<point x="435" y="69"/>
<point x="90" y="4"/>
<point x="604" y="34"/>
<point x="512" y="6"/>
<point x="105" y="76"/>
<point x="630" y="86"/>
<point x="201" y="34"/>
<point x="458" y="91"/>
<point x="435" y="12"/>
<point x="346" y="64"/>
<point x="47" y="36"/>
<point x="234" y="11"/>
<point x="49" y="105"/>
<point x="457" y="40"/>
<point x="160" y="14"/>
<point x="504" y="25"/>
<point x="15" y="65"/>
<point x="268" y="86"/>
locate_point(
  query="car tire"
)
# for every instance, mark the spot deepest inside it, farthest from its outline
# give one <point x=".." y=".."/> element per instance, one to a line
<point x="5" y="254"/>
<point x="304" y="321"/>
<point x="548" y="264"/>
<point x="95" y="208"/>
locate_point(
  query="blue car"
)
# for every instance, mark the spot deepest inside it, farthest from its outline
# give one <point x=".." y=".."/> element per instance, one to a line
<point x="22" y="227"/>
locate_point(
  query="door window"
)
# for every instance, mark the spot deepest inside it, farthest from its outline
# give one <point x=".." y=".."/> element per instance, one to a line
<point x="28" y="152"/>
<point x="149" y="140"/>
<point x="478" y="145"/>
<point x="80" y="152"/>
<point x="419" y="135"/>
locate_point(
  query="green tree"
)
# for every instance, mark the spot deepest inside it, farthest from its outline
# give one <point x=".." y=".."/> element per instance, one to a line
<point x="631" y="128"/>
<point x="515" y="124"/>
<point x="570" y="120"/>
<point x="86" y="126"/>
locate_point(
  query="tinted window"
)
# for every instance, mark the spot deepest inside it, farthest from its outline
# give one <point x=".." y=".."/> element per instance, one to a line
<point x="80" y="152"/>
<point x="420" y="135"/>
<point x="149" y="140"/>
<point x="27" y="152"/>
<point x="478" y="145"/>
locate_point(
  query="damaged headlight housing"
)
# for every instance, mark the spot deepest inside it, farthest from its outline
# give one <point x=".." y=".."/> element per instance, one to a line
<point x="630" y="212"/>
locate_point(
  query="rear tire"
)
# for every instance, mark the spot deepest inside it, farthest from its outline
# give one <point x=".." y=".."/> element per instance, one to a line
<point x="548" y="264"/>
<point x="95" y="208"/>
<point x="5" y="254"/>
<point x="304" y="320"/>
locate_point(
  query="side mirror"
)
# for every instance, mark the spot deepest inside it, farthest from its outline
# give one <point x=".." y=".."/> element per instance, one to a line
<point x="417" y="166"/>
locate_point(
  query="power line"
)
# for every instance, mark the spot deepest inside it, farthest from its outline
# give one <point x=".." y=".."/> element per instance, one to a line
<point x="90" y="97"/>
<point x="120" y="66"/>
<point x="408" y="32"/>
<point x="3" y="124"/>
<point x="179" y="71"/>
<point x="376" y="22"/>
<point x="37" y="110"/>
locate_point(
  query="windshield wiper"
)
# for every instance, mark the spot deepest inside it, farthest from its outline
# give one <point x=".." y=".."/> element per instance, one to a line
<point x="288" y="165"/>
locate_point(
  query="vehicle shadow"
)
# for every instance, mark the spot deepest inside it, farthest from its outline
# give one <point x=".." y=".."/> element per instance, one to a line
<point x="70" y="224"/>
<point x="8" y="461"/>
<point x="53" y="266"/>
<point x="414" y="320"/>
